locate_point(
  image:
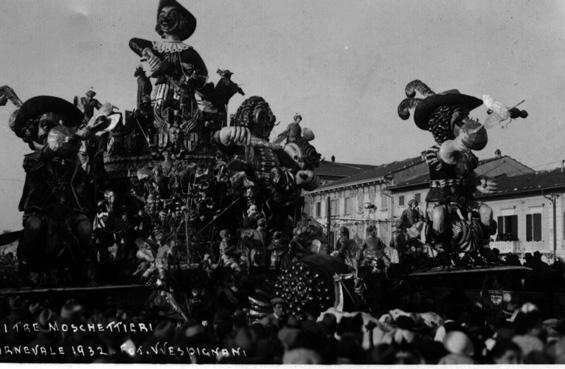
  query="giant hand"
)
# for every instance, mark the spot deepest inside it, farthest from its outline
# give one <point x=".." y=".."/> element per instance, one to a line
<point x="471" y="136"/>
<point x="486" y="185"/>
<point x="155" y="64"/>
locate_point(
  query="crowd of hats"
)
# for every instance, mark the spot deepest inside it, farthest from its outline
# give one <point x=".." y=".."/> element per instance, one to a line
<point x="513" y="333"/>
<point x="472" y="336"/>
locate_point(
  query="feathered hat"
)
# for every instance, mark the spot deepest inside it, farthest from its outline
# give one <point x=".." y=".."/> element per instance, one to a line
<point x="35" y="107"/>
<point x="190" y="20"/>
<point x="424" y="107"/>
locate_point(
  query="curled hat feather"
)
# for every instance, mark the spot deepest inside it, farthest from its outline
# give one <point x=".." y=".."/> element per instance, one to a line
<point x="411" y="101"/>
<point x="405" y="106"/>
<point x="418" y="86"/>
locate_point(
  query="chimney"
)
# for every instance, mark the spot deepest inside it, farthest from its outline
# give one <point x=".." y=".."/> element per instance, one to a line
<point x="498" y="153"/>
<point x="333" y="159"/>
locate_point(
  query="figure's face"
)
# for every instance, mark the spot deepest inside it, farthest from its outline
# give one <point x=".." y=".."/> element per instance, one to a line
<point x="263" y="124"/>
<point x="278" y="309"/>
<point x="169" y="20"/>
<point x="45" y="124"/>
<point x="444" y="120"/>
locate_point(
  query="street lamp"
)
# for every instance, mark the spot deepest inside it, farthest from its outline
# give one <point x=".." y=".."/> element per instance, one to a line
<point x="553" y="198"/>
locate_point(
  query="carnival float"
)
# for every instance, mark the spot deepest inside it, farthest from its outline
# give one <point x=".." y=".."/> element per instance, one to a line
<point x="181" y="197"/>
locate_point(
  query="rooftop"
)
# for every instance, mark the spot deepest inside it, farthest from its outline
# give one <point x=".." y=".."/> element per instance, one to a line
<point x="487" y="167"/>
<point x="334" y="169"/>
<point x="532" y="183"/>
<point x="376" y="172"/>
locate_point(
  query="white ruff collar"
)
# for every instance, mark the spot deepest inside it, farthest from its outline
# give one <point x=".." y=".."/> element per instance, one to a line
<point x="170" y="46"/>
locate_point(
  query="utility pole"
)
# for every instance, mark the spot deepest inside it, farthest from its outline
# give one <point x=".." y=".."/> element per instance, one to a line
<point x="329" y="222"/>
<point x="553" y="198"/>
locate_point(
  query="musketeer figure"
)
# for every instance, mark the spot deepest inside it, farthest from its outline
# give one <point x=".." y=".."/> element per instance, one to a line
<point x="179" y="69"/>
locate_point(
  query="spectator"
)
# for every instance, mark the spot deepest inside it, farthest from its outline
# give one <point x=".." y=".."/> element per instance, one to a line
<point x="506" y="352"/>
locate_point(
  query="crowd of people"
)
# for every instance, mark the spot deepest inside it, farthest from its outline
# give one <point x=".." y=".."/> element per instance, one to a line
<point x="471" y="335"/>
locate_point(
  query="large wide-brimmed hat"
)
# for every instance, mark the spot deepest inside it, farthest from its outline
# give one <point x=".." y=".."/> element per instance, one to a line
<point x="36" y="106"/>
<point x="424" y="107"/>
<point x="190" y="20"/>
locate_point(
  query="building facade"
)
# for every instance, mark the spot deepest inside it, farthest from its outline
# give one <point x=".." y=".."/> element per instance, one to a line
<point x="379" y="195"/>
<point x="530" y="213"/>
<point x="361" y="199"/>
<point x="529" y="209"/>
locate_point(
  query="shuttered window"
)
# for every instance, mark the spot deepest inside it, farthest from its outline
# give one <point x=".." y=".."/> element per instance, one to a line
<point x="507" y="228"/>
<point x="533" y="227"/>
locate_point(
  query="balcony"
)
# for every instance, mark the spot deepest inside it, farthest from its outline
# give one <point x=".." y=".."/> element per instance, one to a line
<point x="506" y="247"/>
<point x="520" y="247"/>
<point x="541" y="246"/>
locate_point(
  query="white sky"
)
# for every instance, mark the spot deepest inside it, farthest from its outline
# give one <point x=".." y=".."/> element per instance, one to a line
<point x="342" y="64"/>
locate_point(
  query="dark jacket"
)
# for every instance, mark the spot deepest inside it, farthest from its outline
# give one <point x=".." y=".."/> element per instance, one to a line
<point x="51" y="181"/>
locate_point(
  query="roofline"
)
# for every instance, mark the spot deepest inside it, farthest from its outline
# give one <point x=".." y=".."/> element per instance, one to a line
<point x="330" y="187"/>
<point x="350" y="165"/>
<point x="530" y="191"/>
<point x="402" y="187"/>
<point x="380" y="179"/>
<point x="411" y="186"/>
<point x="499" y="195"/>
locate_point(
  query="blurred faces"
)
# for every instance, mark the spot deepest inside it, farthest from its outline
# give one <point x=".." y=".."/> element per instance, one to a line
<point x="509" y="357"/>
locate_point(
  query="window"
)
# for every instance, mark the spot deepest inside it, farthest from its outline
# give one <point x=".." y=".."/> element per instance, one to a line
<point x="401" y="200"/>
<point x="318" y="209"/>
<point x="533" y="227"/>
<point x="333" y="205"/>
<point x="372" y="194"/>
<point x="418" y="197"/>
<point x="360" y="200"/>
<point x="347" y="206"/>
<point x="507" y="228"/>
<point x="384" y="202"/>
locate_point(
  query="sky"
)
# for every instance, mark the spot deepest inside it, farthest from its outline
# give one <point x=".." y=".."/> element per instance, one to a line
<point x="342" y="65"/>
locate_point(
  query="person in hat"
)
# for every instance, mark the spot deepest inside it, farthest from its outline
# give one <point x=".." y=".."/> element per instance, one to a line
<point x="372" y="248"/>
<point x="506" y="352"/>
<point x="277" y="250"/>
<point x="459" y="347"/>
<point x="411" y="215"/>
<point x="55" y="184"/>
<point x="88" y="103"/>
<point x="144" y="122"/>
<point x="275" y="318"/>
<point x="347" y="249"/>
<point x="451" y="165"/>
<point x="179" y="69"/>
